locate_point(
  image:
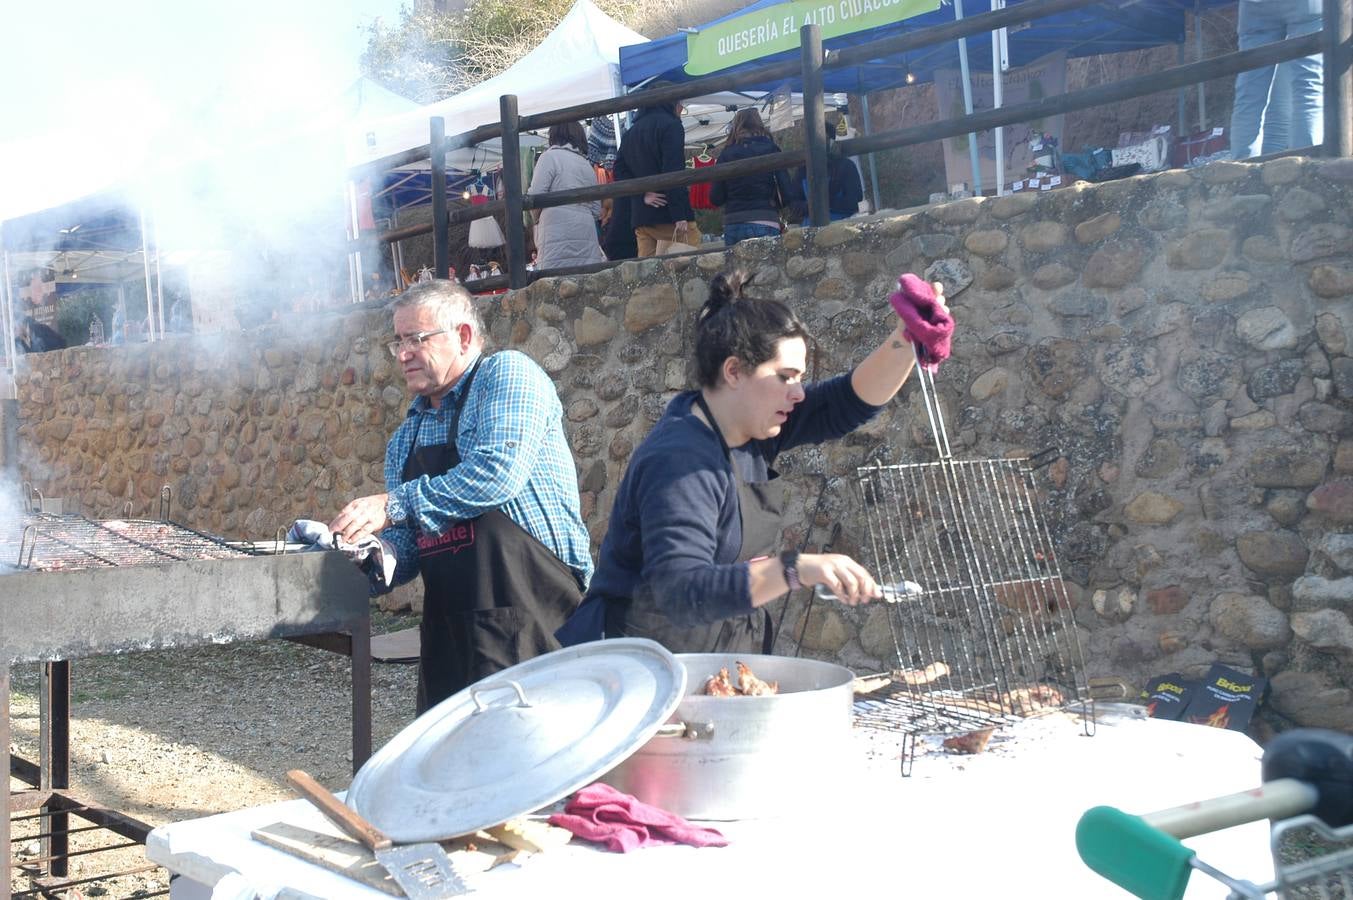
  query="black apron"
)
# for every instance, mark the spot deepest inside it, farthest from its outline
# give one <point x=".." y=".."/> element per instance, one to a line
<point x="760" y="508"/>
<point x="493" y="595"/>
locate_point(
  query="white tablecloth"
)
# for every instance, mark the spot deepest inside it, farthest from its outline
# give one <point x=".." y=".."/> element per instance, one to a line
<point x="999" y="824"/>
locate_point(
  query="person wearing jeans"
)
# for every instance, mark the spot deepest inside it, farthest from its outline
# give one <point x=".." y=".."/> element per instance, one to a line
<point x="1259" y="94"/>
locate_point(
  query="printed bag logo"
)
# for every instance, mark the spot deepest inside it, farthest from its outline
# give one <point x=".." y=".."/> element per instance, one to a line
<point x="454" y="539"/>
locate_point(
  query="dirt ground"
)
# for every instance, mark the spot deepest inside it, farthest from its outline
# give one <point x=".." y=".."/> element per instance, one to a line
<point x="174" y="735"/>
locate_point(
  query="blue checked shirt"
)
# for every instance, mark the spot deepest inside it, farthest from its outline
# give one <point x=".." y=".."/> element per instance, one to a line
<point x="513" y="457"/>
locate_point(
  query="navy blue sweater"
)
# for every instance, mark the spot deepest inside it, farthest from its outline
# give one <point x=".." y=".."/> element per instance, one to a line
<point x="675" y="531"/>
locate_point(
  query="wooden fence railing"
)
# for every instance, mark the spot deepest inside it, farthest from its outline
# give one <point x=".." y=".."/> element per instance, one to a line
<point x="1333" y="42"/>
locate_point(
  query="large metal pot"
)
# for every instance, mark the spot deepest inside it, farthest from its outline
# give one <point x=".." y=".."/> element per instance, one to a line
<point x="746" y="757"/>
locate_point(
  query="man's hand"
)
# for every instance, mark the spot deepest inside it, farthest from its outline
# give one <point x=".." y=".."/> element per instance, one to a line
<point x="360" y="518"/>
<point x="655" y="199"/>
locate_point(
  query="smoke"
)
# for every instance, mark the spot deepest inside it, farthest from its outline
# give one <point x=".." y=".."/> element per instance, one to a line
<point x="222" y="123"/>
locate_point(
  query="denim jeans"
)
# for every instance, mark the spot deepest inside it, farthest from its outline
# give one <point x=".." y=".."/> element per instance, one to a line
<point x="1277" y="104"/>
<point x="741" y="231"/>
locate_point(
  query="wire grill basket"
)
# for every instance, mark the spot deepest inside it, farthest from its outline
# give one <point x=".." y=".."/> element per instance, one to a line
<point x="981" y="624"/>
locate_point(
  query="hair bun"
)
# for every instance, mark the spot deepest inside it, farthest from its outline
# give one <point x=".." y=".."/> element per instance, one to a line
<point x="725" y="289"/>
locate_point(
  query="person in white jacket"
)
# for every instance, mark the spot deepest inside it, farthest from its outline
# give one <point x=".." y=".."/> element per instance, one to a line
<point x="1263" y="22"/>
<point x="566" y="235"/>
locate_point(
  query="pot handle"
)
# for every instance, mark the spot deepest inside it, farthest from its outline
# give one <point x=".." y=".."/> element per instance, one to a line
<point x="691" y="731"/>
<point x="480" y="706"/>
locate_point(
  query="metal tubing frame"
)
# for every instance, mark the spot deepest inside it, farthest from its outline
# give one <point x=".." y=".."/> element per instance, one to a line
<point x="145" y="268"/>
<point x="441" y="240"/>
<point x="11" y="337"/>
<point x="965" y="73"/>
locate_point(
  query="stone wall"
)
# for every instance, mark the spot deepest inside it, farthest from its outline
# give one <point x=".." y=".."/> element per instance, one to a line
<point x="1181" y="338"/>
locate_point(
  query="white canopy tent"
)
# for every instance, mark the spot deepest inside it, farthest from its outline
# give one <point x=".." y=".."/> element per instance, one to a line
<point x="578" y="62"/>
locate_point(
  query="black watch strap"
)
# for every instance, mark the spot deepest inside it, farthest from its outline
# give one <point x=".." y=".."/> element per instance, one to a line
<point x="790" y="560"/>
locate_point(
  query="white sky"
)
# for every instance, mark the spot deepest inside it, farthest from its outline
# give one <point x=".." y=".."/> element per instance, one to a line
<point x="98" y="91"/>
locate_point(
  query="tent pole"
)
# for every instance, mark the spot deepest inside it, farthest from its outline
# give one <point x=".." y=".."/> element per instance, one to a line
<point x="873" y="165"/>
<point x="998" y="63"/>
<point x="1182" y="93"/>
<point x="159" y="275"/>
<point x="1198" y="39"/>
<point x="11" y="339"/>
<point x="145" y="267"/>
<point x="441" y="233"/>
<point x="965" y="72"/>
<point x="354" y="256"/>
<point x="397" y="252"/>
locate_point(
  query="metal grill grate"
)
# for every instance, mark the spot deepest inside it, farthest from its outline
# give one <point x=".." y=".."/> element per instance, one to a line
<point x="52" y="542"/>
<point x="984" y="635"/>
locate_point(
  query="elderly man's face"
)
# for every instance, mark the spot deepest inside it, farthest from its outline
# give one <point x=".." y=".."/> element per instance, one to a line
<point x="434" y="366"/>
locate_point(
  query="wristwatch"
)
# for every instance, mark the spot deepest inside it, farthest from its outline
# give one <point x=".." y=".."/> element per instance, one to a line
<point x="790" y="560"/>
<point x="394" y="510"/>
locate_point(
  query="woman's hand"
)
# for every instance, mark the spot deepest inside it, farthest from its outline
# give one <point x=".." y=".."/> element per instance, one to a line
<point x="655" y="199"/>
<point x="840" y="574"/>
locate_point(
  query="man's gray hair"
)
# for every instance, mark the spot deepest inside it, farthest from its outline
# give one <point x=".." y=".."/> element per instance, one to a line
<point x="449" y="302"/>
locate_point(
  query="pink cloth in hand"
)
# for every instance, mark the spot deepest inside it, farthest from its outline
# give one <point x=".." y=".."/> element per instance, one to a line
<point x="604" y="815"/>
<point x="927" y="323"/>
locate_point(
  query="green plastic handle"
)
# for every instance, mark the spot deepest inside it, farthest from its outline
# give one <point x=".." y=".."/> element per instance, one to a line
<point x="1126" y="850"/>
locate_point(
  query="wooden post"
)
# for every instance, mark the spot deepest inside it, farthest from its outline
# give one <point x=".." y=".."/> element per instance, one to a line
<point x="814" y="119"/>
<point x="516" y="232"/>
<point x="441" y="239"/>
<point x="1338" y="78"/>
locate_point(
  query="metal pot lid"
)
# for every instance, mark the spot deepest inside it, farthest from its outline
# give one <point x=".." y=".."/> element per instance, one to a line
<point x="519" y="740"/>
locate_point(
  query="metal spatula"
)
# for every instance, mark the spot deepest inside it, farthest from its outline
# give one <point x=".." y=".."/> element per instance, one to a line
<point x="422" y="871"/>
<point x="889" y="593"/>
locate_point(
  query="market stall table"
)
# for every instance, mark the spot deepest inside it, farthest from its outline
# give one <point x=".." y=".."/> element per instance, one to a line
<point x="998" y="824"/>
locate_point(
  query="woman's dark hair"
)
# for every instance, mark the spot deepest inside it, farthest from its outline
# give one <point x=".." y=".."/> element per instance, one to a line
<point x="730" y="324"/>
<point x="568" y="133"/>
<point x="746" y="124"/>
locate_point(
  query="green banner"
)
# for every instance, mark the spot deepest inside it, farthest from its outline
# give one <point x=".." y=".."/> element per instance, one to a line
<point x="775" y="29"/>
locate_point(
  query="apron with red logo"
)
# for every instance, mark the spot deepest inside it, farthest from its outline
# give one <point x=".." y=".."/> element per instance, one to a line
<point x="493" y="595"/>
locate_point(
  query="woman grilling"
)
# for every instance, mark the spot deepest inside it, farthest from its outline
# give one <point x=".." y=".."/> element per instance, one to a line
<point x="693" y="552"/>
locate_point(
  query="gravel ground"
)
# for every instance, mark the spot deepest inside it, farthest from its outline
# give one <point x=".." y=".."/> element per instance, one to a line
<point x="174" y="735"/>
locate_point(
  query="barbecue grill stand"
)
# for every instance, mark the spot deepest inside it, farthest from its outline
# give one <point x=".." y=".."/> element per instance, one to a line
<point x="91" y="589"/>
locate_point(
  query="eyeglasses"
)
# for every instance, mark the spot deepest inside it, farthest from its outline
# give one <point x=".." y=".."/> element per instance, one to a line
<point x="412" y="342"/>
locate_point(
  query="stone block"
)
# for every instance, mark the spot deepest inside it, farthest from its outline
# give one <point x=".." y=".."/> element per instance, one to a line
<point x="986" y="243"/>
<point x="1202" y="249"/>
<point x="1249" y="620"/>
<point x="1333" y="501"/>
<point x="1044" y="236"/>
<point x="1097" y="229"/>
<point x="1330" y="281"/>
<point x="651" y="306"/>
<point x="1272" y="553"/>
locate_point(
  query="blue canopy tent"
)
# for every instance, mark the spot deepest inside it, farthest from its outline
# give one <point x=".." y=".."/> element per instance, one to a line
<point x="1108" y="27"/>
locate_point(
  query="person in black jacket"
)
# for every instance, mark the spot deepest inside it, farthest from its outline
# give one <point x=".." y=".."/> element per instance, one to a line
<point x="656" y="143"/>
<point x="751" y="204"/>
<point x="844" y="189"/>
<point x="34" y="337"/>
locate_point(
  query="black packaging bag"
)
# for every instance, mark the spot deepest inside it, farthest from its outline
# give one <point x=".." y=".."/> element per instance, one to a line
<point x="1167" y="696"/>
<point x="1226" y="698"/>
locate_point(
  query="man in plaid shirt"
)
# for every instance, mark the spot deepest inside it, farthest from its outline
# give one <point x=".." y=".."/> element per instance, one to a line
<point x="481" y="496"/>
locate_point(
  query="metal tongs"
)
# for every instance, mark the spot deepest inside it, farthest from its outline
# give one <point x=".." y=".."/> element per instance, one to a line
<point x="889" y="593"/>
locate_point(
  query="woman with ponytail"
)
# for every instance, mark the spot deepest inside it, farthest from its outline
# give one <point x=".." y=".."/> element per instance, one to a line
<point x="693" y="553"/>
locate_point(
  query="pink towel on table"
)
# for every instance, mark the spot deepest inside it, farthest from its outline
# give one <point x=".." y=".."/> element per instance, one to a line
<point x="927" y="324"/>
<point x="602" y="814"/>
